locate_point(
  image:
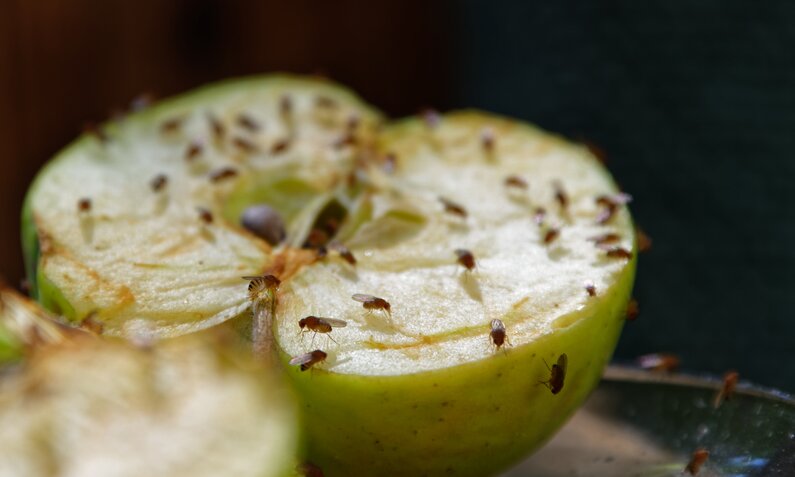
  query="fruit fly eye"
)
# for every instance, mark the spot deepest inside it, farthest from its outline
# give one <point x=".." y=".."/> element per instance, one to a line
<point x="696" y="461"/>
<point x="205" y="215"/>
<point x="561" y="197"/>
<point x="516" y="182"/>
<point x="465" y="258"/>
<point x="487" y="139"/>
<point x="302" y="323"/>
<point x="223" y="173"/>
<point x="159" y="183"/>
<point x="453" y="208"/>
<point x="171" y="125"/>
<point x="84" y="205"/>
<point x="248" y="123"/>
<point x="217" y="127"/>
<point x="551" y="235"/>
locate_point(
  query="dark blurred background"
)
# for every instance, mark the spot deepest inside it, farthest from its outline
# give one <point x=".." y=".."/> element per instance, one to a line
<point x="694" y="103"/>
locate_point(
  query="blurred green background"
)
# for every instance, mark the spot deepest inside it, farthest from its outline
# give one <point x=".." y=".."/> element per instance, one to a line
<point x="694" y="103"/>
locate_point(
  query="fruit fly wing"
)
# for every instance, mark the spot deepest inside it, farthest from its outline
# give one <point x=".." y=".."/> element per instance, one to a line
<point x="496" y="324"/>
<point x="361" y="297"/>
<point x="335" y="323"/>
<point x="563" y="362"/>
<point x="303" y="359"/>
<point x="251" y="277"/>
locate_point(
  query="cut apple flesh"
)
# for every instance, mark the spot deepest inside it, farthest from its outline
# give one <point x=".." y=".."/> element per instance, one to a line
<point x="419" y="389"/>
<point x="142" y="258"/>
<point x="190" y="407"/>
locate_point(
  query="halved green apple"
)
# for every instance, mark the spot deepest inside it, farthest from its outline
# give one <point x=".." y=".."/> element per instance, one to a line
<point x="193" y="406"/>
<point x="420" y="390"/>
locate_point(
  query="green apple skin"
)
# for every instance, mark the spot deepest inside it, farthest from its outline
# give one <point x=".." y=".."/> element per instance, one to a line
<point x="475" y="419"/>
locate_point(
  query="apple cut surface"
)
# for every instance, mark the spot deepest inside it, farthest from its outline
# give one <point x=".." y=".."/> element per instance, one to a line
<point x="78" y="405"/>
<point x="117" y="224"/>
<point x="422" y="390"/>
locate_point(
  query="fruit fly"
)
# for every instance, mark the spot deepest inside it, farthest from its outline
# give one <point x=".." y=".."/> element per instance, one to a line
<point x="248" y="123"/>
<point x="551" y="235"/>
<point x="84" y="205"/>
<point x="344" y="252"/>
<point x="261" y="284"/>
<point x="325" y="102"/>
<point x="223" y="173"/>
<point x="453" y="208"/>
<point x="618" y="252"/>
<point x="516" y="182"/>
<point x="308" y="469"/>
<point x="320" y="325"/>
<point x="307" y="360"/>
<point x="370" y="302"/>
<point x="193" y="151"/>
<point x="487" y="139"/>
<point x="539" y="215"/>
<point x="431" y="117"/>
<point x="664" y="362"/>
<point x="605" y="239"/>
<point x="205" y="215"/>
<point x="159" y="182"/>
<point x="561" y="197"/>
<point x="497" y="334"/>
<point x="465" y="258"/>
<point x="217" y="127"/>
<point x="171" y="125"/>
<point x="557" y="374"/>
<point x="245" y="145"/>
<point x="610" y="205"/>
<point x="590" y="288"/>
<point x="644" y="241"/>
<point x="696" y="461"/>
<point x="727" y="388"/>
<point x="633" y="310"/>
<point x="285" y="105"/>
<point x="280" y="146"/>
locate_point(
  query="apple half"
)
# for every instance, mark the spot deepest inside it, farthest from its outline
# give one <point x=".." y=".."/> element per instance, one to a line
<point x="76" y="405"/>
<point x="140" y="227"/>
